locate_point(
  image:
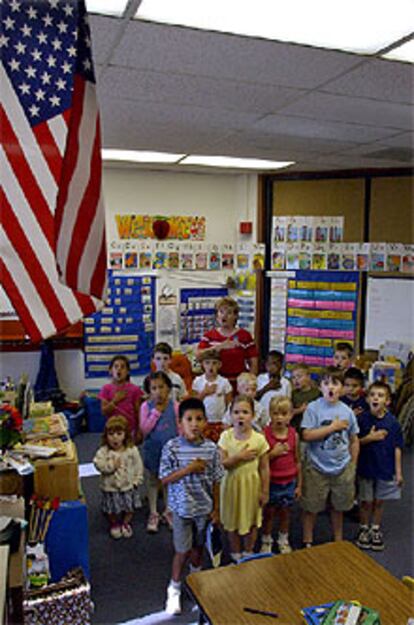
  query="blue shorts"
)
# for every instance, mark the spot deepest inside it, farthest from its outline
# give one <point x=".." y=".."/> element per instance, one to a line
<point x="282" y="495"/>
<point x="368" y="490"/>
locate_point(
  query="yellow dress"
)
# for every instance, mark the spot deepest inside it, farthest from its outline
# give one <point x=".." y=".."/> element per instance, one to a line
<point x="241" y="486"/>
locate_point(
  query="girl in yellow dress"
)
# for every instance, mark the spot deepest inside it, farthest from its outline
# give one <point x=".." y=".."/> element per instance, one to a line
<point x="245" y="487"/>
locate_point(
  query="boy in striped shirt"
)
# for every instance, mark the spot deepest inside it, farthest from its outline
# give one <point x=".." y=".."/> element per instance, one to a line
<point x="191" y="467"/>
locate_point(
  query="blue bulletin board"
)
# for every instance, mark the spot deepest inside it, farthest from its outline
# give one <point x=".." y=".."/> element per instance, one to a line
<point x="125" y="326"/>
<point x="197" y="312"/>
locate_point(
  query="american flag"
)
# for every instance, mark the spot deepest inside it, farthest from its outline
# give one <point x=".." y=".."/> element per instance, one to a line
<point x="52" y="230"/>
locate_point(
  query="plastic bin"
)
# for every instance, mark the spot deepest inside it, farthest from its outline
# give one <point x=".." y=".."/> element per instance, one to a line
<point x="95" y="420"/>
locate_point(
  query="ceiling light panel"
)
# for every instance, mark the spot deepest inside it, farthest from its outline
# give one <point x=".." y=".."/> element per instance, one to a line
<point x="402" y="53"/>
<point x="234" y="163"/>
<point x="140" y="156"/>
<point x="354" y="26"/>
<point x="107" y="7"/>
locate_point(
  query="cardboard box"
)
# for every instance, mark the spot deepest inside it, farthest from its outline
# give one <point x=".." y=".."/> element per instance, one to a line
<point x="58" y="477"/>
<point x="14" y="507"/>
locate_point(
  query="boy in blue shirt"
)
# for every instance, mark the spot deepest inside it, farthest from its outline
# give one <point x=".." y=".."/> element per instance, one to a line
<point x="354" y="395"/>
<point x="330" y="428"/>
<point x="192" y="469"/>
<point x="379" y="465"/>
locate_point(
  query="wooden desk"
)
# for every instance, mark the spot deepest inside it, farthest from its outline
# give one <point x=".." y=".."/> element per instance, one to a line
<point x="287" y="583"/>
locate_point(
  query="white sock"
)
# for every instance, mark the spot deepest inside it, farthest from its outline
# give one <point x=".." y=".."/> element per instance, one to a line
<point x="194" y="569"/>
<point x="283" y="536"/>
<point x="235" y="556"/>
<point x="175" y="585"/>
<point x="267" y="538"/>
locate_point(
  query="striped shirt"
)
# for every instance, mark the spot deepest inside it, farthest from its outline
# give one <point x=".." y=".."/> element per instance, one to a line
<point x="192" y="495"/>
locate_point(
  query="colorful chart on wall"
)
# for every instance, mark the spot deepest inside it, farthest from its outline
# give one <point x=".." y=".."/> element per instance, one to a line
<point x="125" y="326"/>
<point x="197" y="312"/>
<point x="321" y="311"/>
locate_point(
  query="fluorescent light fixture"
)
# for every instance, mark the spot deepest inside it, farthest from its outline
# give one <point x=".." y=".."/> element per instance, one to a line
<point x="364" y="27"/>
<point x="107" y="7"/>
<point x="402" y="53"/>
<point x="236" y="163"/>
<point x="140" y="156"/>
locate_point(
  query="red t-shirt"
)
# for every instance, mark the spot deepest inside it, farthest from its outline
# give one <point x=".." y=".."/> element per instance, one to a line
<point x="283" y="468"/>
<point x="233" y="361"/>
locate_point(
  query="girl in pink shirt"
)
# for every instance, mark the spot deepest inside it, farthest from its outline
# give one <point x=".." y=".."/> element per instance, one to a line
<point x="285" y="473"/>
<point x="121" y="397"/>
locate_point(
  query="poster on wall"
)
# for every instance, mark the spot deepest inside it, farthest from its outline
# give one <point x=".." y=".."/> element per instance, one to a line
<point x="183" y="227"/>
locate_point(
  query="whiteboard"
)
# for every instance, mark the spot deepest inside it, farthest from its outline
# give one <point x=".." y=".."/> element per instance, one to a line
<point x="390" y="311"/>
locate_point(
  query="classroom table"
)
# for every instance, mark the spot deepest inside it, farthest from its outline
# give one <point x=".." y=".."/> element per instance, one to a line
<point x="286" y="583"/>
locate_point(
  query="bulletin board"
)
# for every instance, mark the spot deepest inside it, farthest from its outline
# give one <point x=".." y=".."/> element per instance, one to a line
<point x="322" y="309"/>
<point x="390" y="311"/>
<point x="197" y="312"/>
<point x="125" y="326"/>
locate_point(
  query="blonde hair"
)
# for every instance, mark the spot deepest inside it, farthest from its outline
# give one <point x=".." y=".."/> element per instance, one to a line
<point x="227" y="302"/>
<point x="117" y="423"/>
<point x="280" y="405"/>
<point x="246" y="377"/>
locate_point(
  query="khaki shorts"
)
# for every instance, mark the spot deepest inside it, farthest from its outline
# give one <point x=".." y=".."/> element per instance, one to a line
<point x="318" y="486"/>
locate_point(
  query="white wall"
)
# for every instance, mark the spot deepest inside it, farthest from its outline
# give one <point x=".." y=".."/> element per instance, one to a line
<point x="224" y="199"/>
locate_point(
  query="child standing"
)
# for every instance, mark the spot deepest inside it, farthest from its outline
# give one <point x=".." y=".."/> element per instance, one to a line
<point x="354" y="395"/>
<point x="343" y="355"/>
<point x="191" y="468"/>
<point x="214" y="391"/>
<point x="247" y="385"/>
<point x="245" y="487"/>
<point x="379" y="467"/>
<point x="161" y="358"/>
<point x="158" y="422"/>
<point x="272" y="383"/>
<point x="285" y="473"/>
<point x="304" y="391"/>
<point x="121" y="469"/>
<point x="120" y="397"/>
<point x="330" y="428"/>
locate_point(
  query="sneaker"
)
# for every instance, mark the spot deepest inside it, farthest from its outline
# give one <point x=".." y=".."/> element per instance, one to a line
<point x="173" y="603"/>
<point x="267" y="543"/>
<point x="116" y="531"/>
<point x="126" y="530"/>
<point x="377" y="541"/>
<point x="153" y="522"/>
<point x="283" y="544"/>
<point x="167" y="518"/>
<point x="364" y="537"/>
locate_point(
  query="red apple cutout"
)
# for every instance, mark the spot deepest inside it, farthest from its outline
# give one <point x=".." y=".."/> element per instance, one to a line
<point x="161" y="228"/>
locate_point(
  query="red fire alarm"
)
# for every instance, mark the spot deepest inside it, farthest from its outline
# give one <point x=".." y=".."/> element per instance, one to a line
<point x="246" y="227"/>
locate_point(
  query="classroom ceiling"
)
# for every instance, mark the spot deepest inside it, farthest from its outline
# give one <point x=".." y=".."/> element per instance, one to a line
<point x="175" y="89"/>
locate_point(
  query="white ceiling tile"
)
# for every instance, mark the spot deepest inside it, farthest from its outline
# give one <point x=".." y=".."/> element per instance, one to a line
<point x="403" y="140"/>
<point x="171" y="48"/>
<point x="199" y="91"/>
<point x="379" y="79"/>
<point x="104" y="33"/>
<point x="354" y="110"/>
<point x="321" y="129"/>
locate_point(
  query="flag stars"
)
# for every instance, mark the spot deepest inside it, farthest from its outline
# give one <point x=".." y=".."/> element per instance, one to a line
<point x="47" y="20"/>
<point x="9" y="23"/>
<point x="4" y="41"/>
<point x="66" y="67"/>
<point x="14" y="65"/>
<point x="24" y="88"/>
<point x="20" y="47"/>
<point x="51" y="61"/>
<point x="71" y="51"/>
<point x="31" y="13"/>
<point x="62" y="27"/>
<point x="40" y="95"/>
<point x="34" y="110"/>
<point x="53" y="4"/>
<point x="57" y="44"/>
<point x="54" y="100"/>
<point x="26" y="30"/>
<point x="68" y="10"/>
<point x="61" y="84"/>
<point x="14" y="5"/>
<point x="42" y="38"/>
<point x="87" y="65"/>
<point x="88" y="42"/>
<point x="30" y="71"/>
<point x="45" y="78"/>
<point x="36" y="54"/>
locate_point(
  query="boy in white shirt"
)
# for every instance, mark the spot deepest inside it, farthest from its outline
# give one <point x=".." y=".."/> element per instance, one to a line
<point x="215" y="392"/>
<point x="161" y="357"/>
<point x="272" y="383"/>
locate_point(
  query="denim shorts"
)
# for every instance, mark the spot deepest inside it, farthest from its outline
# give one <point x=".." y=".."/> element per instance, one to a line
<point x="282" y="495"/>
